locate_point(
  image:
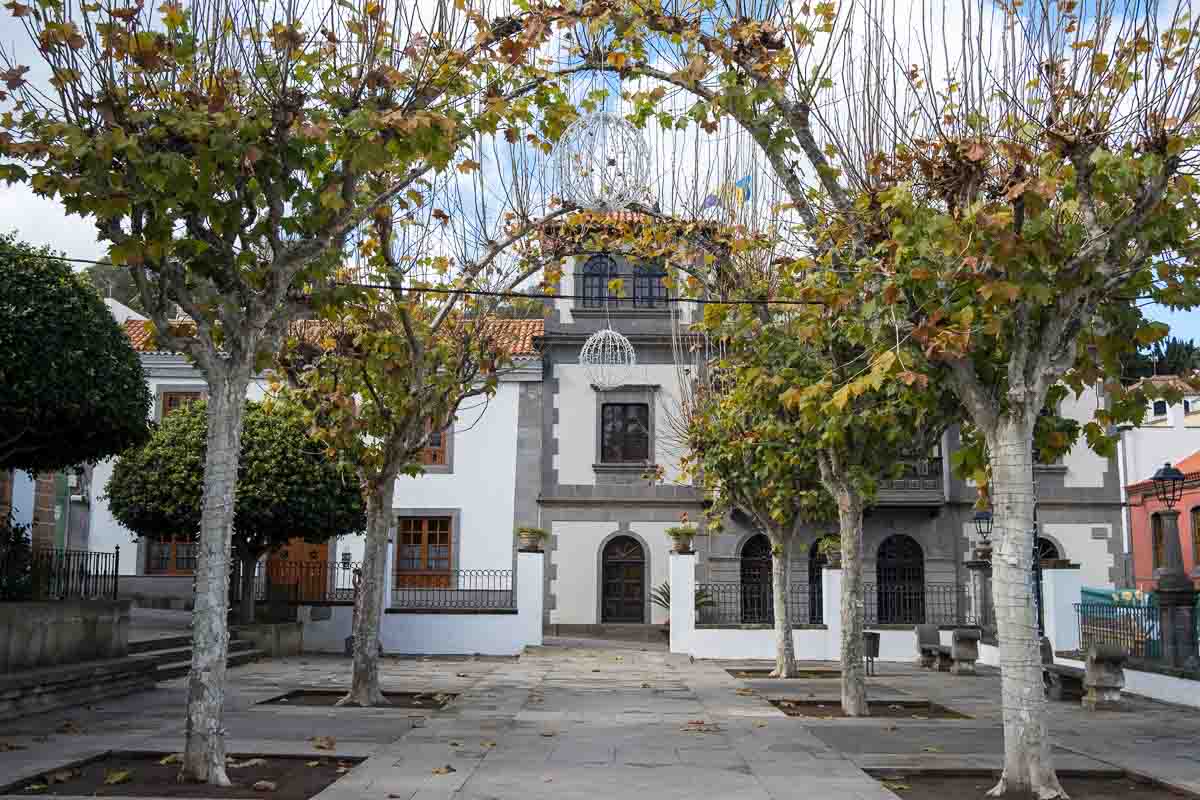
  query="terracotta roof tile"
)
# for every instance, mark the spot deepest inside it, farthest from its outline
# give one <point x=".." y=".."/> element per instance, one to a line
<point x="515" y="334"/>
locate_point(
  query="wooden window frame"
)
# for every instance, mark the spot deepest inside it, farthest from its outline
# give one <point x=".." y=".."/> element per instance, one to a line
<point x="1158" y="542"/>
<point x="192" y="397"/>
<point x="440" y="458"/>
<point x="648" y="438"/>
<point x="424" y="575"/>
<point x="174" y="544"/>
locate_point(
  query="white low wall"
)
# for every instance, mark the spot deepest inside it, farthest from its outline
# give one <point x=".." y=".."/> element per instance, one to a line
<point x="743" y="642"/>
<point x="1180" y="691"/>
<point x="493" y="634"/>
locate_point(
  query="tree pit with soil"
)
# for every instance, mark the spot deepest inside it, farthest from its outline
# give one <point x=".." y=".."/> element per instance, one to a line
<point x="933" y="785"/>
<point x="879" y="709"/>
<point x="141" y="774"/>
<point x="328" y="698"/>
<point x="801" y="674"/>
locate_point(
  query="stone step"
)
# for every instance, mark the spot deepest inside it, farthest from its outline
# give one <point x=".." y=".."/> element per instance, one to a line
<point x="175" y="654"/>
<point x="178" y="669"/>
<point x="49" y="688"/>
<point x="165" y="643"/>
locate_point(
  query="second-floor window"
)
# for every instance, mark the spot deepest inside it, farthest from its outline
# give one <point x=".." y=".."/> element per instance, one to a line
<point x="434" y="453"/>
<point x="598" y="273"/>
<point x="649" y="291"/>
<point x="624" y="433"/>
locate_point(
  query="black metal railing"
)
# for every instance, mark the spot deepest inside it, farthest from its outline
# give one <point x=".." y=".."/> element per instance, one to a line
<point x="754" y="604"/>
<point x="1135" y="629"/>
<point x="456" y="589"/>
<point x="921" y="475"/>
<point x="49" y="574"/>
<point x="916" y="604"/>
<point x="300" y="582"/>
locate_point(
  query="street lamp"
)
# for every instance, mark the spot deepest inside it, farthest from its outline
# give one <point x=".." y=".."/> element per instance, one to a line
<point x="1168" y="485"/>
<point x="983" y="524"/>
<point x="1176" y="598"/>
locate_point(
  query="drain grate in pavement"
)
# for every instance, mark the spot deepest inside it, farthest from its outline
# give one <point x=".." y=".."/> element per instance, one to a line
<point x="330" y="697"/>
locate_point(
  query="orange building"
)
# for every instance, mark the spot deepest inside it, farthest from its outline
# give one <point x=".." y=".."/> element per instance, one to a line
<point x="1147" y="529"/>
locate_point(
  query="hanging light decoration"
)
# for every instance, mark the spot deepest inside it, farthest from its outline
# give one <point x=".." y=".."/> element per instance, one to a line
<point x="602" y="162"/>
<point x="609" y="358"/>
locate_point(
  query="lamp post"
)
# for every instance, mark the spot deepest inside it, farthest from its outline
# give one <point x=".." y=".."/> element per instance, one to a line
<point x="980" y="567"/>
<point x="1176" y="598"/>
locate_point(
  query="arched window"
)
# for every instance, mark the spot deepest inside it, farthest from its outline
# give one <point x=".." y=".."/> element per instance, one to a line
<point x="1158" y="542"/>
<point x="1047" y="550"/>
<point x="597" y="273"/>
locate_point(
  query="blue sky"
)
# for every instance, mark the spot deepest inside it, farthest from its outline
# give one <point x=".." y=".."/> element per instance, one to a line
<point x="1184" y="324"/>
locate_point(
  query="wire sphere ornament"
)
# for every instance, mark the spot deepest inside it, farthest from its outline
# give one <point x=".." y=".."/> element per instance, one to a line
<point x="609" y="358"/>
<point x="602" y="162"/>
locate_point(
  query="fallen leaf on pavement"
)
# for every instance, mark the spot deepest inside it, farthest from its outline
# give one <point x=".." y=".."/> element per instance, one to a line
<point x="174" y="758"/>
<point x="489" y="744"/>
<point x="264" y="786"/>
<point x="645" y="686"/>
<point x="312" y="764"/>
<point x="918" y="716"/>
<point x="114" y="776"/>
<point x="69" y="727"/>
<point x="462" y="675"/>
<point x="323" y="742"/>
<point x="931" y="749"/>
<point x="36" y="787"/>
<point x="61" y="775"/>
<point x="6" y="746"/>
<point x="760" y="724"/>
<point x="744" y="692"/>
<point x="895" y="786"/>
<point x="253" y="762"/>
<point x="446" y="770"/>
<point x="456" y="744"/>
<point x="547" y="733"/>
<point x="595" y="670"/>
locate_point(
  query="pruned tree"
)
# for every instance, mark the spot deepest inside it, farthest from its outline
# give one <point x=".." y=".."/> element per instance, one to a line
<point x="747" y="455"/>
<point x="72" y="390"/>
<point x="226" y="150"/>
<point x="287" y="488"/>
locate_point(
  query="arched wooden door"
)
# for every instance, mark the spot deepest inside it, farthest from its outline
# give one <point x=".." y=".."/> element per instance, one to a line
<point x="757" y="603"/>
<point x="900" y="580"/>
<point x="623" y="596"/>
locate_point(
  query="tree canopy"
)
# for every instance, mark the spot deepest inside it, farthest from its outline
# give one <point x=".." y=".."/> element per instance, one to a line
<point x="72" y="389"/>
<point x="286" y="486"/>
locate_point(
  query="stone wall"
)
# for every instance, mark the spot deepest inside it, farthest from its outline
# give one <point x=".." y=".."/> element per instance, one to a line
<point x="62" y="632"/>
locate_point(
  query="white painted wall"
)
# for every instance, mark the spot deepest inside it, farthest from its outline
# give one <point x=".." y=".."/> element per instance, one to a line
<point x="482" y="485"/>
<point x="1165" y="688"/>
<point x="577" y="558"/>
<point x="1090" y="554"/>
<point x="579" y="415"/>
<point x="1084" y="467"/>
<point x="444" y="634"/>
<point x="1147" y="448"/>
<point x="820" y="644"/>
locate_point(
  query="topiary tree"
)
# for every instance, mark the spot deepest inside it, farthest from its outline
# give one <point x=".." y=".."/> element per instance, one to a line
<point x="286" y="487"/>
<point x="71" y="388"/>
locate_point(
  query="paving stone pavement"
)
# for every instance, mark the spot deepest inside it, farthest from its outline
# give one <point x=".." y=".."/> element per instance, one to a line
<point x="580" y="718"/>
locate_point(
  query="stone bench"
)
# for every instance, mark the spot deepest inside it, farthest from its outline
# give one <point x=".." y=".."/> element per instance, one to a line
<point x="1098" y="684"/>
<point x="958" y="658"/>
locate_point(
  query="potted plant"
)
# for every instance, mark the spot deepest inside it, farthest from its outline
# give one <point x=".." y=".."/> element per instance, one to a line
<point x="531" y="538"/>
<point x="830" y="546"/>
<point x="682" y="536"/>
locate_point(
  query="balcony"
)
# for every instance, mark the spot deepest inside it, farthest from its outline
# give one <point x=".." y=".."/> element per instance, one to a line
<point x="920" y="484"/>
